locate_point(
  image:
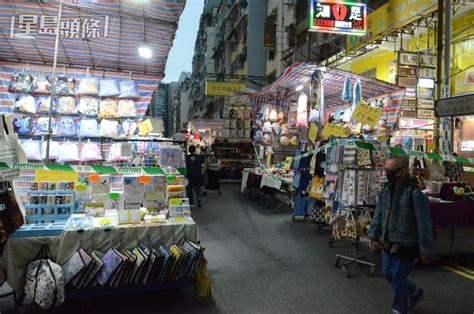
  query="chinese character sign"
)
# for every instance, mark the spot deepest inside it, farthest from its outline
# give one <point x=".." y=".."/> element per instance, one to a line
<point x="338" y="17"/>
<point x="366" y="114"/>
<point x="223" y="88"/>
<point x="69" y="27"/>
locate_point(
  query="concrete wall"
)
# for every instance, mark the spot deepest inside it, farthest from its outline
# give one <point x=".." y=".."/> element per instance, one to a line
<point x="256" y="56"/>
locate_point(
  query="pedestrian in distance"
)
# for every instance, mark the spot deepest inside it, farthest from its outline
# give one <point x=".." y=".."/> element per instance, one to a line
<point x="402" y="226"/>
<point x="194" y="174"/>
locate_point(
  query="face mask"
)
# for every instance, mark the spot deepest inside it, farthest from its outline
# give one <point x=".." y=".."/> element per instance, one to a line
<point x="392" y="175"/>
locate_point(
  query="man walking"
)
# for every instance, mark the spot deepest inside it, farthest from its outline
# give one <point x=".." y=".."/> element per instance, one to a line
<point x="194" y="174"/>
<point x="402" y="224"/>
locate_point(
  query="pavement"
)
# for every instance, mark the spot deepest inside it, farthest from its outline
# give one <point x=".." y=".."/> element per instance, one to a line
<point x="263" y="262"/>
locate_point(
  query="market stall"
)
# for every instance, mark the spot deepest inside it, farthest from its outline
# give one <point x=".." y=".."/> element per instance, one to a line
<point x="105" y="197"/>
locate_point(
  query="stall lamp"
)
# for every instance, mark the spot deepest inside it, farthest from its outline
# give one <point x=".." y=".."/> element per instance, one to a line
<point x="299" y="88"/>
<point x="144" y="52"/>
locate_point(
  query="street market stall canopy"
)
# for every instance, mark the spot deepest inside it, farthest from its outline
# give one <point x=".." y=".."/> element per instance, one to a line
<point x="102" y="35"/>
<point x="297" y="78"/>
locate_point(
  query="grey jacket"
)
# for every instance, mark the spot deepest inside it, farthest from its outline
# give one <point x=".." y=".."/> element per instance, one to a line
<point x="412" y="225"/>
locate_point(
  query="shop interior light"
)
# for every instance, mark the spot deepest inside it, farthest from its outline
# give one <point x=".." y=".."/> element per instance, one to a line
<point x="300" y="88"/>
<point x="144" y="52"/>
<point x="426" y="82"/>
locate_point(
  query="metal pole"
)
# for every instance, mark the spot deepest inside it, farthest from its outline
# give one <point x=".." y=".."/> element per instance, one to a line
<point x="447" y="68"/>
<point x="439" y="69"/>
<point x="56" y="45"/>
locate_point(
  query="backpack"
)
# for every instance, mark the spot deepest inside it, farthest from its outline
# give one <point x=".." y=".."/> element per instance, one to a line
<point x="45" y="281"/>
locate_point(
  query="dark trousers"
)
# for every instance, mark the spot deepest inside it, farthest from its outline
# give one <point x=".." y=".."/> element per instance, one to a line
<point x="196" y="188"/>
<point x="396" y="270"/>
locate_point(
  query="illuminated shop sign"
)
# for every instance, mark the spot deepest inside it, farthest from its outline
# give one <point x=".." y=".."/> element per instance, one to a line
<point x="338" y="17"/>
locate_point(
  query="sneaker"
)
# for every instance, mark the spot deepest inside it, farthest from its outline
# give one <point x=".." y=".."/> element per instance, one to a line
<point x="415" y="297"/>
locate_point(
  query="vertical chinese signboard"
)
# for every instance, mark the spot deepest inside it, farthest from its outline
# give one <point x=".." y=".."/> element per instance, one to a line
<point x="338" y="17"/>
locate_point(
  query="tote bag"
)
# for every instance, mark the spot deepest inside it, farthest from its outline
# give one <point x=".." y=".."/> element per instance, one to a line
<point x="9" y="146"/>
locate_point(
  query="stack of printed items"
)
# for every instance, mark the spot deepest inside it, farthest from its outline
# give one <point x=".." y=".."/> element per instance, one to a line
<point x="179" y="207"/>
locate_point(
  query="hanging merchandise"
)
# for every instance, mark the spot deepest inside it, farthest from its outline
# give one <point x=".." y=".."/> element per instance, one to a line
<point x="41" y="85"/>
<point x="25" y="103"/>
<point x="54" y="148"/>
<point x="363" y="158"/>
<point x="115" y="153"/>
<point x="89" y="128"/>
<point x="317" y="188"/>
<point x="313" y="115"/>
<point x="21" y="83"/>
<point x="64" y="86"/>
<point x="302" y="118"/>
<point x="273" y="115"/>
<point x="88" y="86"/>
<point x="128" y="89"/>
<point x="126" y="108"/>
<point x="420" y="168"/>
<point x="67" y="126"/>
<point x="41" y="125"/>
<point x="90" y="152"/>
<point x="32" y="150"/>
<point x="357" y="95"/>
<point x="108" y="88"/>
<point x="23" y="125"/>
<point x="437" y="171"/>
<point x="128" y="128"/>
<point x="313" y="132"/>
<point x="11" y="217"/>
<point x="43" y="103"/>
<point x="68" y="152"/>
<point x="108" y="108"/>
<point x="346" y="92"/>
<point x="109" y="128"/>
<point x="67" y="105"/>
<point x="89" y="106"/>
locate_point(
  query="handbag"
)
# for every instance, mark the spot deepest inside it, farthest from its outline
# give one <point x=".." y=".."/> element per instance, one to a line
<point x="11" y="217"/>
<point x="9" y="146"/>
<point x="420" y="170"/>
<point x="437" y="171"/>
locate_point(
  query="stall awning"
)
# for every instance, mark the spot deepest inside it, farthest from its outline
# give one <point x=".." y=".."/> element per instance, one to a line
<point x="299" y="75"/>
<point x="103" y="35"/>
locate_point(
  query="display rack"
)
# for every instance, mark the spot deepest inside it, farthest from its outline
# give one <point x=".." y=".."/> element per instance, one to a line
<point x="235" y="155"/>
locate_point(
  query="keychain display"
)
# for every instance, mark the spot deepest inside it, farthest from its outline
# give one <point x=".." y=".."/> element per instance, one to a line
<point x="25" y="103"/>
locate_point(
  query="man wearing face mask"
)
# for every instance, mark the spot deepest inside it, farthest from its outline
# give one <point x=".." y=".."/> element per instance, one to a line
<point x="402" y="225"/>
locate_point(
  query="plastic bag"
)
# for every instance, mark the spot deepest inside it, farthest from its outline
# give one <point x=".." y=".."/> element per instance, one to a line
<point x="25" y="103"/>
<point x="128" y="89"/>
<point x="108" y="109"/>
<point x="115" y="153"/>
<point x="23" y="125"/>
<point x="54" y="148"/>
<point x="108" y="87"/>
<point x="32" y="150"/>
<point x="21" y="82"/>
<point x="67" y="105"/>
<point x="108" y="128"/>
<point x="64" y="86"/>
<point x="88" y="86"/>
<point x="41" y="127"/>
<point x="67" y="126"/>
<point x="89" y="128"/>
<point x="43" y="103"/>
<point x="89" y="106"/>
<point x="90" y="152"/>
<point x="41" y="85"/>
<point x="128" y="128"/>
<point x="68" y="152"/>
<point x="126" y="108"/>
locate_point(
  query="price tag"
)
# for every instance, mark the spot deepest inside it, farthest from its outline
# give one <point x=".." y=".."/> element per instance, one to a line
<point x="313" y="132"/>
<point x="366" y="114"/>
<point x="287" y="163"/>
<point x="145" y="127"/>
<point x="114" y="196"/>
<point x="334" y="130"/>
<point x="56" y="175"/>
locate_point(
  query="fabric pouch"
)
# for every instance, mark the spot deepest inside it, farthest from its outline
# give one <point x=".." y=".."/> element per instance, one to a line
<point x="126" y="108"/>
<point x="89" y="128"/>
<point x="54" y="148"/>
<point x="67" y="105"/>
<point x="21" y="83"/>
<point x="108" y="128"/>
<point x="25" y="103"/>
<point x="68" y="152"/>
<point x="67" y="126"/>
<point x="108" y="88"/>
<point x="41" y="85"/>
<point x="43" y="102"/>
<point x="41" y="125"/>
<point x="32" y="150"/>
<point x="115" y="153"/>
<point x="88" y="86"/>
<point x="128" y="128"/>
<point x="65" y="86"/>
<point x="128" y="89"/>
<point x="108" y="109"/>
<point x="89" y="106"/>
<point x="23" y="125"/>
<point x="90" y="152"/>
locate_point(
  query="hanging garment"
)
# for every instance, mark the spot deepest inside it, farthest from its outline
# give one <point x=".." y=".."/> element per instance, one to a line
<point x="346" y="92"/>
<point x="302" y="113"/>
<point x="357" y="96"/>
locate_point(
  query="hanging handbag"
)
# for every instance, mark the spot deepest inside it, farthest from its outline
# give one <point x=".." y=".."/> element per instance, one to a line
<point x="437" y="171"/>
<point x="9" y="146"/>
<point x="419" y="168"/>
<point x="11" y="217"/>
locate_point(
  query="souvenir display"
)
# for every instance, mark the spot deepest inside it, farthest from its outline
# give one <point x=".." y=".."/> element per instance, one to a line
<point x="126" y="108"/>
<point x="67" y="105"/>
<point x="89" y="106"/>
<point x="21" y="83"/>
<point x="67" y="126"/>
<point x="41" y="85"/>
<point x="89" y="128"/>
<point x="128" y="89"/>
<point x="128" y="128"/>
<point x="64" y="86"/>
<point x="108" y="108"/>
<point x="108" y="128"/>
<point x="43" y="104"/>
<point x="88" y="86"/>
<point x="41" y="126"/>
<point x="108" y="88"/>
<point x="25" y="103"/>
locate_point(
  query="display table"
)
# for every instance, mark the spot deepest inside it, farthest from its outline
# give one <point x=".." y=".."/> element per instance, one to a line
<point x="454" y="225"/>
<point x="19" y="252"/>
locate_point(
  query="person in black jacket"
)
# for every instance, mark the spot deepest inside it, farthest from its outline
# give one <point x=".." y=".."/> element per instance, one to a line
<point x="194" y="174"/>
